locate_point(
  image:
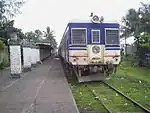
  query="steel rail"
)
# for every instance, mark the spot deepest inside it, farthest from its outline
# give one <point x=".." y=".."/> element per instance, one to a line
<point x="131" y="100"/>
<point x="94" y="94"/>
<point x="113" y="88"/>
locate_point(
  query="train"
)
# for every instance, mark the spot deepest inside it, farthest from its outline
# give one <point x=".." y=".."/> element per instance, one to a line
<point x="91" y="48"/>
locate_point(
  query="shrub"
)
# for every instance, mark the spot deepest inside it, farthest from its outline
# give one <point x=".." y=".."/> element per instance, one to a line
<point x="3" y="58"/>
<point x="2" y="45"/>
<point x="4" y="62"/>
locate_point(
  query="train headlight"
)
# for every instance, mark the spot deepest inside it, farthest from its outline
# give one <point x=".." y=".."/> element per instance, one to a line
<point x="96" y="49"/>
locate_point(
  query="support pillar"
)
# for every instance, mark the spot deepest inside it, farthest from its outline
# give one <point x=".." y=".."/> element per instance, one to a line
<point x="33" y="56"/>
<point x="26" y="58"/>
<point x="30" y="56"/>
<point x="38" y="54"/>
<point x="15" y="60"/>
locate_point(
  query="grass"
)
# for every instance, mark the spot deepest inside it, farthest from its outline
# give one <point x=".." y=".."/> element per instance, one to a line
<point x="113" y="100"/>
<point x="134" y="82"/>
<point x="84" y="97"/>
<point x="134" y="72"/>
<point x="131" y="80"/>
<point x="86" y="100"/>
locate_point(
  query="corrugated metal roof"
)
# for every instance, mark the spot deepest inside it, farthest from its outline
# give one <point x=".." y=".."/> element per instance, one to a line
<point x="43" y="43"/>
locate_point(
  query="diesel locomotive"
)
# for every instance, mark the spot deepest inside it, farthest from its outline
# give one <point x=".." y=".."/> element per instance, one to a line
<point x="91" y="48"/>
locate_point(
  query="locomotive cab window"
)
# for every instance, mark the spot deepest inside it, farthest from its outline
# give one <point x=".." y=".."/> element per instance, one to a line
<point x="95" y="36"/>
<point x="112" y="36"/>
<point x="78" y="36"/>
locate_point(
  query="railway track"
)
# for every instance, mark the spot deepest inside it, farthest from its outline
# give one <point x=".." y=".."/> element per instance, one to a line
<point x="96" y="96"/>
<point x="99" y="98"/>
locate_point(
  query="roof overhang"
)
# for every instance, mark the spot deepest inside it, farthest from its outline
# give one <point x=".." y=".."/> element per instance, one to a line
<point x="44" y="45"/>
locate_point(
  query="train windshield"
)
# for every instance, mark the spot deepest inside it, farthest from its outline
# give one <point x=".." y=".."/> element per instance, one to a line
<point x="78" y="36"/>
<point x="112" y="36"/>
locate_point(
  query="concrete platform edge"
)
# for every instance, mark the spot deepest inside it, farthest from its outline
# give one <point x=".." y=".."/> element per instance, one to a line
<point x="72" y="96"/>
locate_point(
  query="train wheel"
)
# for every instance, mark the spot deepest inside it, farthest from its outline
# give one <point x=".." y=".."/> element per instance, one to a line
<point x="108" y="71"/>
<point x="79" y="72"/>
<point x="106" y="74"/>
<point x="115" y="68"/>
<point x="87" y="72"/>
<point x="70" y="70"/>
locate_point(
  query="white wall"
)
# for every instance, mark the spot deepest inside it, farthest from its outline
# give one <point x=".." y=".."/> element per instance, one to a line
<point x="129" y="40"/>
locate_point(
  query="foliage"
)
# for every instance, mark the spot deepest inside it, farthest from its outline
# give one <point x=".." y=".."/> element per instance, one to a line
<point x="20" y="34"/>
<point x="144" y="40"/>
<point x="49" y="34"/>
<point x="3" y="59"/>
<point x="130" y="60"/>
<point x="30" y="36"/>
<point x="4" y="29"/>
<point x="9" y="8"/>
<point x="4" y="62"/>
<point x="136" y="22"/>
<point x="133" y="81"/>
<point x="2" y="45"/>
<point x="38" y="34"/>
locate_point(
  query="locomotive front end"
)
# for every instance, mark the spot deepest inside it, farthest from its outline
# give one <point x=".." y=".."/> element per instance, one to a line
<point x="91" y="48"/>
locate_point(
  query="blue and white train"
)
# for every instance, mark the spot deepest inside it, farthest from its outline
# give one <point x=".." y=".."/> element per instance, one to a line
<point x="91" y="46"/>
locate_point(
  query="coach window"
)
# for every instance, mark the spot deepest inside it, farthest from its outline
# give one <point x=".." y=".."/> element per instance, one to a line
<point x="112" y="36"/>
<point x="95" y="36"/>
<point x="78" y="36"/>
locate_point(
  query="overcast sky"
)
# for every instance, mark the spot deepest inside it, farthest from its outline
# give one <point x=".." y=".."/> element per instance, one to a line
<point x="37" y="14"/>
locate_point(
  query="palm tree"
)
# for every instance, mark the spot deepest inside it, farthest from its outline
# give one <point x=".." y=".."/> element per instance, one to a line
<point x="38" y="34"/>
<point x="131" y="25"/>
<point x="50" y="37"/>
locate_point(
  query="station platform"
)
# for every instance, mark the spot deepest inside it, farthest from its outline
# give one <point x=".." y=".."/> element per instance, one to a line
<point x="42" y="90"/>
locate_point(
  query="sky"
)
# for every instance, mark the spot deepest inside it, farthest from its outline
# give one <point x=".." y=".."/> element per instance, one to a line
<point x="38" y="14"/>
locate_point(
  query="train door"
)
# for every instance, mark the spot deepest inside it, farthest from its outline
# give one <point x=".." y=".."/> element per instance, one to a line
<point x="95" y="48"/>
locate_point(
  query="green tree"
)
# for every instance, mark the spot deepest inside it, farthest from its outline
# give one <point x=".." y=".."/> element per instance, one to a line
<point x="136" y="22"/>
<point x="2" y="57"/>
<point x="30" y="36"/>
<point x="49" y="34"/>
<point x="6" y="29"/>
<point x="20" y="34"/>
<point x="38" y="34"/>
<point x="9" y="8"/>
<point x="2" y="45"/>
<point x="145" y="40"/>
